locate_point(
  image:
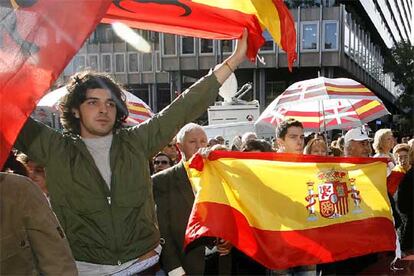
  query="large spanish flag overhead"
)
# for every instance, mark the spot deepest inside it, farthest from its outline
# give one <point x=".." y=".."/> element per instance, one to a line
<point x="286" y="210"/>
<point x="212" y="19"/>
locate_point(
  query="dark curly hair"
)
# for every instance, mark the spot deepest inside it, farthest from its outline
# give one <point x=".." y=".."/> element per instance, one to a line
<point x="78" y="86"/>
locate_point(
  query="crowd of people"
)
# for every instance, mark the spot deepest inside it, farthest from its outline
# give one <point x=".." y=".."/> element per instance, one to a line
<point x="290" y="138"/>
<point x="113" y="214"/>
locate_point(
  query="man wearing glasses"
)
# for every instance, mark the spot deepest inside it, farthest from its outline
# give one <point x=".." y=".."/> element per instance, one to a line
<point x="161" y="162"/>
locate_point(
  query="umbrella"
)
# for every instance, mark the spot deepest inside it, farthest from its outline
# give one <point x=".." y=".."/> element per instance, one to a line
<point x="323" y="104"/>
<point x="47" y="109"/>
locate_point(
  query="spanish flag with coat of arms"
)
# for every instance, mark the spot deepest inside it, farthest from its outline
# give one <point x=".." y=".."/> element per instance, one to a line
<point x="287" y="210"/>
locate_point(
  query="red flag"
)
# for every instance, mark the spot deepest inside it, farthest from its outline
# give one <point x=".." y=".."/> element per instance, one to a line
<point x="212" y="19"/>
<point x="37" y="39"/>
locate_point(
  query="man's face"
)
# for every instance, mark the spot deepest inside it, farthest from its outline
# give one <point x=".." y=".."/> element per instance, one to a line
<point x="97" y="113"/>
<point x="193" y="141"/>
<point x="293" y="141"/>
<point x="402" y="159"/>
<point x="161" y="163"/>
<point x="359" y="148"/>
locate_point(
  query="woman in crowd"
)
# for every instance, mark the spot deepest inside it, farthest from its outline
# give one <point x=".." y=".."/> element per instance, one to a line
<point x="383" y="144"/>
<point x="316" y="146"/>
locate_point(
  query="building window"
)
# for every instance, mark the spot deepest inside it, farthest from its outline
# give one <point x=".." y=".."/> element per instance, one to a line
<point x="93" y="62"/>
<point x="187" y="45"/>
<point x="226" y="46"/>
<point x="106" y="63"/>
<point x="79" y="63"/>
<point x="105" y="34"/>
<point x="163" y="96"/>
<point x="352" y="43"/>
<point x="147" y="62"/>
<point x="93" y="38"/>
<point x="330" y="35"/>
<point x="169" y="45"/>
<point x="273" y="89"/>
<point x="310" y="35"/>
<point x="133" y="62"/>
<point x="206" y="46"/>
<point x="155" y="39"/>
<point x="268" y="46"/>
<point x="357" y="49"/>
<point x="119" y="63"/>
<point x="157" y="61"/>
<point x="346" y="38"/>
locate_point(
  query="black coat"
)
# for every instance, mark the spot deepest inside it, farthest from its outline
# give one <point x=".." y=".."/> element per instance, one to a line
<point x="174" y="198"/>
<point x="405" y="203"/>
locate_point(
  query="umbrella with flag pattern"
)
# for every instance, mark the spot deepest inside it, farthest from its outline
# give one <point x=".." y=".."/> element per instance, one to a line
<point x="323" y="104"/>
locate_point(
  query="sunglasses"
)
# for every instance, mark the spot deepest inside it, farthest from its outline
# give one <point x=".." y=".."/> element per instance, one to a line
<point x="158" y="162"/>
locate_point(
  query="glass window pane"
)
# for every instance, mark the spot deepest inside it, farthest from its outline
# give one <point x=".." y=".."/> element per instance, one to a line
<point x="331" y="36"/>
<point x="93" y="62"/>
<point x="352" y="40"/>
<point x="119" y="63"/>
<point x="155" y="38"/>
<point x="206" y="46"/>
<point x="163" y="97"/>
<point x="79" y="63"/>
<point x="107" y="63"/>
<point x="346" y="39"/>
<point x="309" y="37"/>
<point x="133" y="62"/>
<point x="169" y="44"/>
<point x="187" y="45"/>
<point x="273" y="89"/>
<point x="157" y="61"/>
<point x="226" y="46"/>
<point x="147" y="62"/>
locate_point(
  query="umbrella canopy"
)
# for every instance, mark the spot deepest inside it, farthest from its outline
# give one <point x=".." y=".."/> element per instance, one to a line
<point x="47" y="109"/>
<point x="323" y="104"/>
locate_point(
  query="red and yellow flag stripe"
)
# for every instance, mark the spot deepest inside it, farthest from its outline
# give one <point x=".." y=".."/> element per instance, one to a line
<point x="261" y="203"/>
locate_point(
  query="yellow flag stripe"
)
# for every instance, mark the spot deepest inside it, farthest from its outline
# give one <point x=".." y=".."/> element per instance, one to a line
<point x="304" y="119"/>
<point x="271" y="195"/>
<point x="367" y="107"/>
<point x="264" y="10"/>
<point x="137" y="108"/>
<point x="347" y="90"/>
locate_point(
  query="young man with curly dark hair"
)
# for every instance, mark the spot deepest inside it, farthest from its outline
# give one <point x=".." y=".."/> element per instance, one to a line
<point x="97" y="173"/>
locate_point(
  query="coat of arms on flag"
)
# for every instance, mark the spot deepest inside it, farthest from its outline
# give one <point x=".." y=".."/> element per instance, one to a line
<point x="333" y="195"/>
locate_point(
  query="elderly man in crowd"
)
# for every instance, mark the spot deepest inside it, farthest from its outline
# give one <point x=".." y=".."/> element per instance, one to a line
<point x="357" y="144"/>
<point x="174" y="197"/>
